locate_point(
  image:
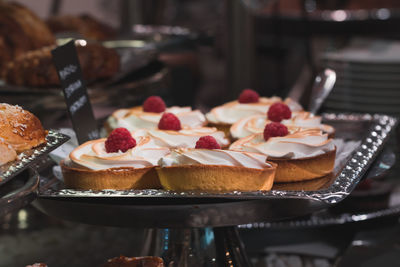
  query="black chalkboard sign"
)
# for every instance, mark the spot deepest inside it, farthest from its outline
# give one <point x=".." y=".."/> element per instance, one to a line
<point x="65" y="59"/>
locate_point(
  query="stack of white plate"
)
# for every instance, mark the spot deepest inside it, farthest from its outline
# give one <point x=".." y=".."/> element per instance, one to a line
<point x="368" y="77"/>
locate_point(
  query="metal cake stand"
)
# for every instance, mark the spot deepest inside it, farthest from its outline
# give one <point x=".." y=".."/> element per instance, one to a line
<point x="337" y="217"/>
<point x="19" y="192"/>
<point x="18" y="179"/>
<point x="199" y="228"/>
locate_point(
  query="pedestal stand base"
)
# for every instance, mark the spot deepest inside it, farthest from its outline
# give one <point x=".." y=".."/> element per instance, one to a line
<point x="204" y="247"/>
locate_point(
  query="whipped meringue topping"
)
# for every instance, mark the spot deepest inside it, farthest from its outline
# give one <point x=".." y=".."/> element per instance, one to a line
<point x="256" y="124"/>
<point x="299" y="143"/>
<point x="135" y="118"/>
<point x="94" y="156"/>
<point x="189" y="156"/>
<point x="231" y="112"/>
<point x="185" y="138"/>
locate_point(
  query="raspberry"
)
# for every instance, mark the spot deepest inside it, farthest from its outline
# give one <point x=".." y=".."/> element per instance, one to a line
<point x="278" y="112"/>
<point x="207" y="142"/>
<point x="169" y="121"/>
<point x="274" y="129"/>
<point x="154" y="104"/>
<point x="248" y="96"/>
<point x="120" y="139"/>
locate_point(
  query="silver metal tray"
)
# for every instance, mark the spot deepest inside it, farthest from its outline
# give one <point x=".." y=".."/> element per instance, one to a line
<point x="31" y="156"/>
<point x="330" y="189"/>
<point x="166" y="209"/>
<point x="328" y="218"/>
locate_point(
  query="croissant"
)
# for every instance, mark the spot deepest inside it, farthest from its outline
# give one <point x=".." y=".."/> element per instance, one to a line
<point x="7" y="153"/>
<point x="20" y="129"/>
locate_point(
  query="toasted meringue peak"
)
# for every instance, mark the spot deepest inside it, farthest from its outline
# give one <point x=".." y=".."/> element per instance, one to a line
<point x="299" y="143"/>
<point x="256" y="124"/>
<point x="185" y="138"/>
<point x="231" y="112"/>
<point x="93" y="155"/>
<point x="190" y="156"/>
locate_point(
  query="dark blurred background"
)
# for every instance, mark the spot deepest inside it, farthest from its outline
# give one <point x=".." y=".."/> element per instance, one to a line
<point x="267" y="45"/>
<point x="276" y="47"/>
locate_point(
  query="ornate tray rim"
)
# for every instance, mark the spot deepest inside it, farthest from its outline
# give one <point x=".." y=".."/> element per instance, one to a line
<point x="329" y="218"/>
<point x="340" y="219"/>
<point x="382" y="126"/>
<point x="31" y="156"/>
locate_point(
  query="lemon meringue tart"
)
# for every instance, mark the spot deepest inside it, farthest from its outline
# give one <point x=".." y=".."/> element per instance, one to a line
<point x="113" y="163"/>
<point x="227" y="114"/>
<point x="191" y="169"/>
<point x="149" y="115"/>
<point x="301" y="154"/>
<point x="256" y="124"/>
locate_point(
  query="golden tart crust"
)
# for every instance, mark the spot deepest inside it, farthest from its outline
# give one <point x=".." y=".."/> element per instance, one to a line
<point x="293" y="170"/>
<point x="114" y="178"/>
<point x="216" y="178"/>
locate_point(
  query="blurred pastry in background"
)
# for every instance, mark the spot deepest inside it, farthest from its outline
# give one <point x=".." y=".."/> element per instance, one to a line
<point x="35" y="68"/>
<point x="5" y="56"/>
<point x="21" y="31"/>
<point x="123" y="261"/>
<point x="87" y="26"/>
